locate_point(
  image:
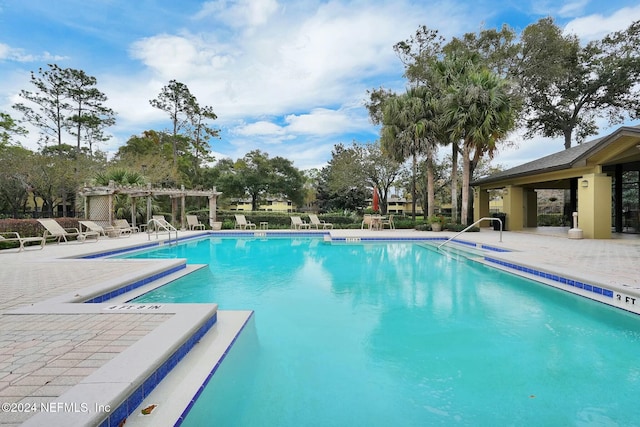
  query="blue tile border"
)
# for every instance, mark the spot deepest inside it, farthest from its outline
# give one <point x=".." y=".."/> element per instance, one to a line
<point x="124" y="289"/>
<point x="554" y="277"/>
<point x="126" y="408"/>
<point x="213" y="371"/>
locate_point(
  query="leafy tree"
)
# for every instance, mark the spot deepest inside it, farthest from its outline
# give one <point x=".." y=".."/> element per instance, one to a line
<point x="187" y="118"/>
<point x="14" y="179"/>
<point x="51" y="98"/>
<point x="258" y="176"/>
<point x="9" y="128"/>
<point x="66" y="100"/>
<point x="567" y="85"/>
<point x="380" y="170"/>
<point x="343" y="183"/>
<point x="89" y="116"/>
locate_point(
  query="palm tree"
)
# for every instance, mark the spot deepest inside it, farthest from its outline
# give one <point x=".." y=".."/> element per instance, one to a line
<point x="122" y="202"/>
<point x="480" y="111"/>
<point x="407" y="121"/>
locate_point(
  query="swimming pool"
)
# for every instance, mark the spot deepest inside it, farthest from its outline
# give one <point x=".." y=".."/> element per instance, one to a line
<point x="397" y="334"/>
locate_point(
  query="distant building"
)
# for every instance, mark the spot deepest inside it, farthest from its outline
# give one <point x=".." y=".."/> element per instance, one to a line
<point x="268" y="205"/>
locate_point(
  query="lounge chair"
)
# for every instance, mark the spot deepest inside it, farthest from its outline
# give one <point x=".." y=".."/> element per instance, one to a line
<point x="12" y="236"/>
<point x="242" y="223"/>
<point x="102" y="231"/>
<point x="194" y="223"/>
<point x="298" y="224"/>
<point x="123" y="227"/>
<point x="163" y="222"/>
<point x="53" y="229"/>
<point x="317" y="223"/>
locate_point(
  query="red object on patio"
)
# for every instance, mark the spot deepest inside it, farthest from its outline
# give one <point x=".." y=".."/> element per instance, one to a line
<point x="376" y="200"/>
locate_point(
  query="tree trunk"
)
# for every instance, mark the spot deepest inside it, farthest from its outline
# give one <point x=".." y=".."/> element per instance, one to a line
<point x="430" y="183"/>
<point x="567" y="138"/>
<point x="454" y="183"/>
<point x="413" y="187"/>
<point x="465" y="183"/>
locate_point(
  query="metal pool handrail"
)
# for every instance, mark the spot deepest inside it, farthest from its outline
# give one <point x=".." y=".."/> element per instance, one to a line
<point x="160" y="225"/>
<point x="472" y="225"/>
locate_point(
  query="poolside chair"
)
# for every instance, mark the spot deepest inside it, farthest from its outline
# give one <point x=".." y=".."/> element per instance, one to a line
<point x="194" y="223"/>
<point x="13" y="236"/>
<point x="388" y="222"/>
<point x="315" y="222"/>
<point x="122" y="226"/>
<point x="367" y="220"/>
<point x="298" y="224"/>
<point x="243" y="224"/>
<point x="53" y="229"/>
<point x="102" y="231"/>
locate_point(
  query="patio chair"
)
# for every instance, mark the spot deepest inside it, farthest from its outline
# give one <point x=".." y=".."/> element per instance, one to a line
<point x="194" y="223"/>
<point x="298" y="224"/>
<point x="53" y="229"/>
<point x="367" y="220"/>
<point x="388" y="222"/>
<point x="123" y="227"/>
<point x="13" y="236"/>
<point x="242" y="223"/>
<point x="316" y="222"/>
<point x="102" y="231"/>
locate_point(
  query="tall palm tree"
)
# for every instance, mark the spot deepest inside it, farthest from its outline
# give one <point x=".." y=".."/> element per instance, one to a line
<point x="407" y="121"/>
<point x="480" y="111"/>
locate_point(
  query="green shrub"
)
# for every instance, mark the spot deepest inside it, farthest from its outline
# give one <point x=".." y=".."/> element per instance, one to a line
<point x="551" y="220"/>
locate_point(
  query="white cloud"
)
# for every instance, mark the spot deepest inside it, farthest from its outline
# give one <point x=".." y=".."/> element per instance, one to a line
<point x="596" y="26"/>
<point x="9" y="53"/>
<point x="239" y="13"/>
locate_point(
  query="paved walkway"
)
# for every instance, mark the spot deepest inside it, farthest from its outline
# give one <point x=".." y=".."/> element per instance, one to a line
<point x="47" y="345"/>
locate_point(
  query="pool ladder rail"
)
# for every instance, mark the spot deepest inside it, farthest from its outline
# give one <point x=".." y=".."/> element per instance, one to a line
<point x="471" y="226"/>
<point x="158" y="226"/>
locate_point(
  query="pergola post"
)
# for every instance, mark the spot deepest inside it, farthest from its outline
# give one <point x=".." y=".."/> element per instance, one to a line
<point x="183" y="207"/>
<point x="212" y="207"/>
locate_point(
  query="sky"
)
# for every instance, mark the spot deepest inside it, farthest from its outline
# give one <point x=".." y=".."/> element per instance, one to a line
<point x="288" y="77"/>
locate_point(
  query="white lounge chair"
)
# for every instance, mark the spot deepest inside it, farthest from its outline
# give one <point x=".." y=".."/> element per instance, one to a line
<point x="194" y="223"/>
<point x="13" y="236"/>
<point x="317" y="223"/>
<point x="53" y="229"/>
<point x="298" y="224"/>
<point x="123" y="227"/>
<point x="102" y="231"/>
<point x="242" y="223"/>
<point x="163" y="222"/>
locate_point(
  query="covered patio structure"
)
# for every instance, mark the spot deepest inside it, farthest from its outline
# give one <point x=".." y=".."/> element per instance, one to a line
<point x="602" y="177"/>
<point x="99" y="202"/>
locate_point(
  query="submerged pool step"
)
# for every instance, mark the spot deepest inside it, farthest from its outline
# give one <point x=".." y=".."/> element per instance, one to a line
<point x="457" y="249"/>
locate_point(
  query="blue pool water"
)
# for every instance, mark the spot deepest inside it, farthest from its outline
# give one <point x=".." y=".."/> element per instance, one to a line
<point x="400" y="335"/>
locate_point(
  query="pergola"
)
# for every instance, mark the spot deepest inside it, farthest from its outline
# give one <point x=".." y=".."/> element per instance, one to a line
<point x="99" y="201"/>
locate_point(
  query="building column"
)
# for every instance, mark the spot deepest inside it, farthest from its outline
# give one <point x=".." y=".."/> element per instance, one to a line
<point x="531" y="211"/>
<point x="513" y="206"/>
<point x="481" y="205"/>
<point x="594" y="205"/>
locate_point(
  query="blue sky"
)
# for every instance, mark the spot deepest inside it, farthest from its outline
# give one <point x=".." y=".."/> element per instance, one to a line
<point x="286" y="77"/>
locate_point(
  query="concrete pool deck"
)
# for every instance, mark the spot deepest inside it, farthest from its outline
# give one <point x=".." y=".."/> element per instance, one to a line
<point x="54" y="350"/>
